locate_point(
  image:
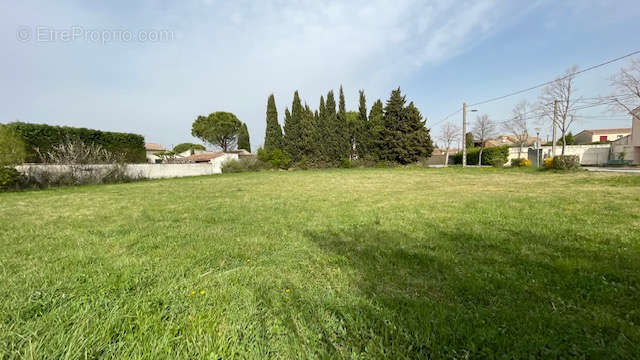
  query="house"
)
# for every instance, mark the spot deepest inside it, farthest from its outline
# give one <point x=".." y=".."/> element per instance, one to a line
<point x="153" y="149"/>
<point x="510" y="140"/>
<point x="600" y="135"/>
<point x="217" y="158"/>
<point x="628" y="147"/>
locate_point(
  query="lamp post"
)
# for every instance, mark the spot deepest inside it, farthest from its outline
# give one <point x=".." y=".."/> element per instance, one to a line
<point x="464" y="133"/>
<point x="538" y="146"/>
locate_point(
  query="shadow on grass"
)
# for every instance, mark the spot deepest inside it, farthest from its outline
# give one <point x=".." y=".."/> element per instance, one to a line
<point x="456" y="294"/>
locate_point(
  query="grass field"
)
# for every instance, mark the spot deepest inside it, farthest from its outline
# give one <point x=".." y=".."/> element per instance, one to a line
<point x="397" y="263"/>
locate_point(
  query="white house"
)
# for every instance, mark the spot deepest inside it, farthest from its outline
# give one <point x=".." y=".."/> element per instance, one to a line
<point x="151" y="150"/>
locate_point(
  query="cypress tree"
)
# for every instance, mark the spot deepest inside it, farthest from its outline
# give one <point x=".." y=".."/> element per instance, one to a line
<point x="243" y="138"/>
<point x="322" y="133"/>
<point x="374" y="132"/>
<point x="362" y="138"/>
<point x="292" y="129"/>
<point x="307" y="133"/>
<point x="331" y="140"/>
<point x="290" y="133"/>
<point x="273" y="134"/>
<point x="342" y="129"/>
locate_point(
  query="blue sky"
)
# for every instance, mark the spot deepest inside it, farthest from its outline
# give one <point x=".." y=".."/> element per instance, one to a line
<point x="230" y="55"/>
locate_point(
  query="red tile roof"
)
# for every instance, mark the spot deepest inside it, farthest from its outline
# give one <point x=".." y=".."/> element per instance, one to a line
<point x="153" y="147"/>
<point x="204" y="157"/>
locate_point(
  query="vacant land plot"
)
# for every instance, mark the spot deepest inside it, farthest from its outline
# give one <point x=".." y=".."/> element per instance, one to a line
<point x="342" y="263"/>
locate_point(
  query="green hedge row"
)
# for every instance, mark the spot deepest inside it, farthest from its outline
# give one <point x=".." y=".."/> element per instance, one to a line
<point x="489" y="155"/>
<point x="45" y="137"/>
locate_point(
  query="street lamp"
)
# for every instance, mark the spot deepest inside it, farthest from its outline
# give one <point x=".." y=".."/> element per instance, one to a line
<point x="464" y="133"/>
<point x="538" y="146"/>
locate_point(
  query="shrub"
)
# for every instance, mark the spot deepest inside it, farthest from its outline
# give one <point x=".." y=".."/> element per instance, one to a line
<point x="41" y="138"/>
<point x="548" y="163"/>
<point x="497" y="162"/>
<point x="566" y="162"/>
<point x="345" y="163"/>
<point x="521" y="162"/>
<point x="9" y="178"/>
<point x="77" y="163"/>
<point x="276" y="158"/>
<point x="243" y="165"/>
<point x="12" y="149"/>
<point x="489" y="156"/>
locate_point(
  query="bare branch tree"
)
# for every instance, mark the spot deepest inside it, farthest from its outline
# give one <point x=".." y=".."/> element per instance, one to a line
<point x="519" y="125"/>
<point x="563" y="91"/>
<point x="450" y="134"/>
<point x="483" y="129"/>
<point x="627" y="89"/>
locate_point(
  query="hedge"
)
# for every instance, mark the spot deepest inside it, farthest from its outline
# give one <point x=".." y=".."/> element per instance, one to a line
<point x="45" y="137"/>
<point x="488" y="155"/>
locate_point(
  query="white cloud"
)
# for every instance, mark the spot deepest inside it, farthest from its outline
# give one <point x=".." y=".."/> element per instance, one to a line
<point x="231" y="55"/>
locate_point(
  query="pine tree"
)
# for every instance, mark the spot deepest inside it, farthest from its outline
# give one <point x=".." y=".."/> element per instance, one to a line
<point x="243" y="138"/>
<point x="418" y="136"/>
<point x="404" y="138"/>
<point x="273" y="134"/>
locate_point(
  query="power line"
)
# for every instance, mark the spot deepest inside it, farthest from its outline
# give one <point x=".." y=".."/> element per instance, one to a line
<point x="558" y="79"/>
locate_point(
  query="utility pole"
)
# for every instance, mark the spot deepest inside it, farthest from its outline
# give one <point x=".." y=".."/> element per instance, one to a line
<point x="555" y="120"/>
<point x="464" y="134"/>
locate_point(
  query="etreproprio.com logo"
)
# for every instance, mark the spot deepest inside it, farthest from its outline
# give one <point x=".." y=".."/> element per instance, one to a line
<point x="79" y="33"/>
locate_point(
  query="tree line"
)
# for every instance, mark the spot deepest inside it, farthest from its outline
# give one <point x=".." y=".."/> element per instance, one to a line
<point x="330" y="135"/>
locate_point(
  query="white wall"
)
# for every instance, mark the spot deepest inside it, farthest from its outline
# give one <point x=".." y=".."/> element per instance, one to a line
<point x="588" y="154"/>
<point x="149" y="171"/>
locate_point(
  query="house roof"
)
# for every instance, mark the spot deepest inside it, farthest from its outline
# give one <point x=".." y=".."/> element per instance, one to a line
<point x="204" y="157"/>
<point x="608" y="131"/>
<point x="153" y="147"/>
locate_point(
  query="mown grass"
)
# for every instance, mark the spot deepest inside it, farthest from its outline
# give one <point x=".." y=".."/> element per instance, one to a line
<point x="396" y="263"/>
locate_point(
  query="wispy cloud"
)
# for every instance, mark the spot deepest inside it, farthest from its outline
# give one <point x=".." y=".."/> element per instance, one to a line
<point x="231" y="55"/>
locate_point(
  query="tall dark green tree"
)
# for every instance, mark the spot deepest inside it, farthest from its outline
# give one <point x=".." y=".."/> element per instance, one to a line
<point x="332" y="138"/>
<point x="404" y="138"/>
<point x="361" y="134"/>
<point x="307" y="134"/>
<point x="468" y="139"/>
<point x="219" y="129"/>
<point x="293" y="129"/>
<point x="244" y="141"/>
<point x="375" y="130"/>
<point x="322" y="133"/>
<point x="343" y="146"/>
<point x="273" y="134"/>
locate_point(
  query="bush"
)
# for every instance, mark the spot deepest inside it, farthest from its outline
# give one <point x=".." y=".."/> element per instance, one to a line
<point x="497" y="162"/>
<point x="565" y="162"/>
<point x="9" y="178"/>
<point x="521" y="162"/>
<point x="276" y="159"/>
<point x="77" y="163"/>
<point x="43" y="138"/>
<point x="243" y="165"/>
<point x="490" y="156"/>
<point x="345" y="163"/>
<point x="548" y="163"/>
<point x="12" y="149"/>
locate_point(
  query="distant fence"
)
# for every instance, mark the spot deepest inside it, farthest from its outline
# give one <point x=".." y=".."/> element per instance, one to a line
<point x="148" y="171"/>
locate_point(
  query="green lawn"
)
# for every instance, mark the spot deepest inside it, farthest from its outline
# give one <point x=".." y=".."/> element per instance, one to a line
<point x="396" y="263"/>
